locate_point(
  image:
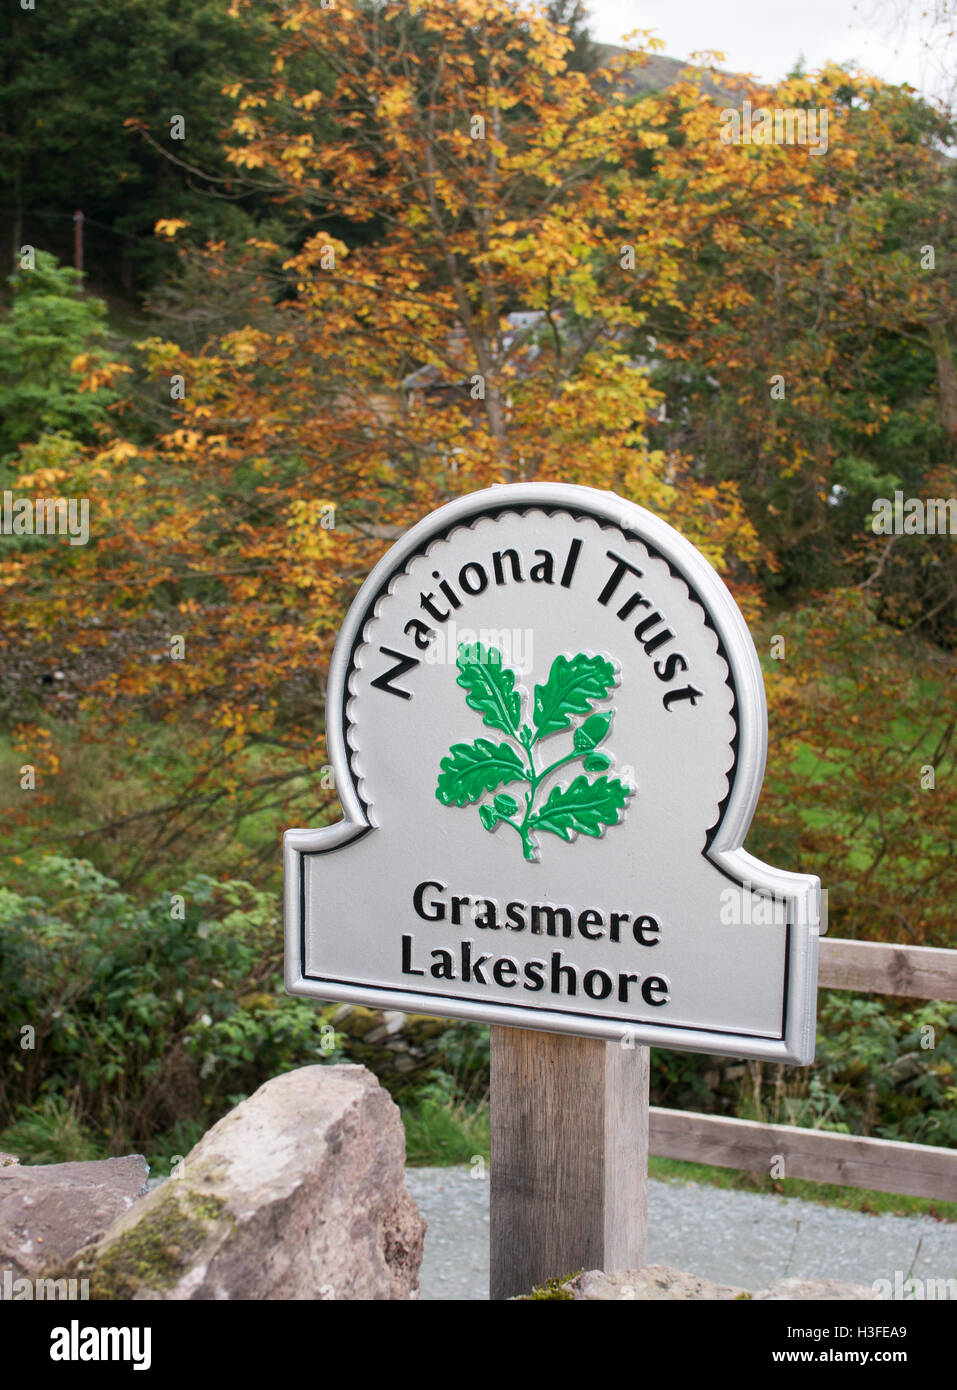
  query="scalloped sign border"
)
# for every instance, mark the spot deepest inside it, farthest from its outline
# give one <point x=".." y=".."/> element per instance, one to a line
<point x="800" y="893"/>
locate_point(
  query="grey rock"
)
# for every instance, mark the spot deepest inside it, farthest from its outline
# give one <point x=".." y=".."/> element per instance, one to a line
<point x="653" y="1282"/>
<point x="298" y="1193"/>
<point x="49" y="1210"/>
<point x="835" y="1289"/>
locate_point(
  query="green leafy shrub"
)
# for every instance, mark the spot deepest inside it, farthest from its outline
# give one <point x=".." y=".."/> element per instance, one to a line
<point x="142" y="1019"/>
<point x="888" y="1069"/>
<point x="883" y="1067"/>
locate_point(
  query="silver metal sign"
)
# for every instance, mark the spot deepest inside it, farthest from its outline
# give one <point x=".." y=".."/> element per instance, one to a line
<point x="547" y="725"/>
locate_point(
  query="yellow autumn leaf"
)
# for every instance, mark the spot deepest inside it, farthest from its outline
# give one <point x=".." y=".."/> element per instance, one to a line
<point x="169" y="226"/>
<point x="119" y="451"/>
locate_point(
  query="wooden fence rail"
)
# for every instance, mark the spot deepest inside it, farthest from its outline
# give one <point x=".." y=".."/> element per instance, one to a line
<point x="870" y="967"/>
<point x="845" y="1159"/>
<point x="884" y="1165"/>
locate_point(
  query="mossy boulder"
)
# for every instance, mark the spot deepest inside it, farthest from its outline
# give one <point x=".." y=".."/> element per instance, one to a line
<point x="298" y="1193"/>
<point x="148" y="1252"/>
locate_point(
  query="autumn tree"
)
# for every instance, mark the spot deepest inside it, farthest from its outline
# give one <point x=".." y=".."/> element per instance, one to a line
<point x="808" y="354"/>
<point x="497" y="263"/>
<point x="860" y="781"/>
<point x="486" y="180"/>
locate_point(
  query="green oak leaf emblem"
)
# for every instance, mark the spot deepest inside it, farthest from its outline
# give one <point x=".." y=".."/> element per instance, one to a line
<point x="471" y="771"/>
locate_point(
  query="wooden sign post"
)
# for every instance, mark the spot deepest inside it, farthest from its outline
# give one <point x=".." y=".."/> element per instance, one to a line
<point x="547" y="725"/>
<point x="569" y="1157"/>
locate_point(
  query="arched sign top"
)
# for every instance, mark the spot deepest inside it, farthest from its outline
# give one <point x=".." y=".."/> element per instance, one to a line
<point x="547" y="724"/>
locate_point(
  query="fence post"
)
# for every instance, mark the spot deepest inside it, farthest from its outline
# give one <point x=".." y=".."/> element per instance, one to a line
<point x="78" y="247"/>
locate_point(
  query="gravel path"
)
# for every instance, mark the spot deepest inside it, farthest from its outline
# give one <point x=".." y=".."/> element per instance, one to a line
<point x="743" y="1238"/>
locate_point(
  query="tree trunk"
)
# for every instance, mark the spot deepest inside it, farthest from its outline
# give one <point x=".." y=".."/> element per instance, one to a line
<point x="946" y="377"/>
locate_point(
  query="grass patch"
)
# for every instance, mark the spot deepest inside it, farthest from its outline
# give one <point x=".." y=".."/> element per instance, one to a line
<point x="827" y="1194"/>
<point x="51" y="1133"/>
<point x="439" y="1134"/>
